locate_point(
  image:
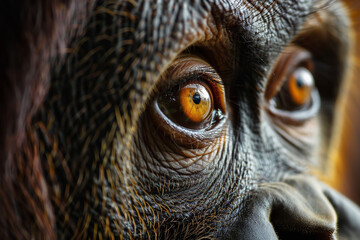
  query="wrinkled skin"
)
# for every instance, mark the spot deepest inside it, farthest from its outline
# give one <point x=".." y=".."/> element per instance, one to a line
<point x="110" y="173"/>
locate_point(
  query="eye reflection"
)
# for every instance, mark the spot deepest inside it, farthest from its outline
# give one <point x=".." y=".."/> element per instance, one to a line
<point x="301" y="84"/>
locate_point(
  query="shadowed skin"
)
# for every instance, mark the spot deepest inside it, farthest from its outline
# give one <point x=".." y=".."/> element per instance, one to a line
<point x="95" y="163"/>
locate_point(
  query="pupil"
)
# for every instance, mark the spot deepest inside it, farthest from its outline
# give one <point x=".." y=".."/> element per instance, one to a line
<point x="299" y="82"/>
<point x="196" y="98"/>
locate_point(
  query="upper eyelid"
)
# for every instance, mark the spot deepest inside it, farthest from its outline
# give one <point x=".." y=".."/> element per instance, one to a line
<point x="181" y="70"/>
<point x="291" y="57"/>
<point x="210" y="75"/>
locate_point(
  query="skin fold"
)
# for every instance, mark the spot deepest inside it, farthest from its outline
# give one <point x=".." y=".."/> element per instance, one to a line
<point x="88" y="153"/>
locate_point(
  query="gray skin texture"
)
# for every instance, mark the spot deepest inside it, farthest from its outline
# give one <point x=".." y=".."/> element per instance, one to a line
<point x="115" y="174"/>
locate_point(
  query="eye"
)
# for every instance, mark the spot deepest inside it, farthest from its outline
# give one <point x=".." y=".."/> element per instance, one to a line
<point x="185" y="124"/>
<point x="296" y="92"/>
<point x="195" y="99"/>
<point x="196" y="102"/>
<point x="300" y="85"/>
<point x="291" y="91"/>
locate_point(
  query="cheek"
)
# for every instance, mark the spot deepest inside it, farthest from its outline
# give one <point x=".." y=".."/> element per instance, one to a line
<point x="169" y="155"/>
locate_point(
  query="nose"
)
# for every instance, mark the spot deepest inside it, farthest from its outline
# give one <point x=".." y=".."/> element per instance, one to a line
<point x="293" y="209"/>
<point x="348" y="215"/>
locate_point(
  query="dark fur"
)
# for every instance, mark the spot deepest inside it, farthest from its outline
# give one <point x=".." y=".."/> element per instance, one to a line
<point x="34" y="35"/>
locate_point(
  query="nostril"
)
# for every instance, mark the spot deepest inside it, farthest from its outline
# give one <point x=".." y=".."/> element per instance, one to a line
<point x="294" y="209"/>
<point x="287" y="228"/>
<point x="302" y="211"/>
<point x="348" y="215"/>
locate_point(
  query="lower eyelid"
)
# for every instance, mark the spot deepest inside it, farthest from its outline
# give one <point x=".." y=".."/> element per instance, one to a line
<point x="297" y="117"/>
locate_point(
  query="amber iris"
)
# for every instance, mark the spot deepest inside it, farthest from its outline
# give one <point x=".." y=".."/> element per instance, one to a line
<point x="301" y="85"/>
<point x="196" y="102"/>
<point x="195" y="98"/>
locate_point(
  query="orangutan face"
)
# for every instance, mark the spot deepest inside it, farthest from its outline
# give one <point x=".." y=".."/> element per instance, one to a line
<point x="197" y="120"/>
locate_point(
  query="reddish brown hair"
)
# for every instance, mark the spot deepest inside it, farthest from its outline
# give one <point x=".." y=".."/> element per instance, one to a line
<point x="34" y="36"/>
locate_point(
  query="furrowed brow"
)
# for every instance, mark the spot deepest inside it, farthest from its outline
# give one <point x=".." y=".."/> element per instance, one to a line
<point x="268" y="24"/>
<point x="258" y="31"/>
